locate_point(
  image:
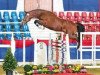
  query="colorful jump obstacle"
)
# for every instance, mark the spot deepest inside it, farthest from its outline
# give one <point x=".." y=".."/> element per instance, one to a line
<point x="58" y="47"/>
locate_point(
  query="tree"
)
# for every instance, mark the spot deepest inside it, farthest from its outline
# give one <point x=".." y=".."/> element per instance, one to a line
<point x="10" y="62"/>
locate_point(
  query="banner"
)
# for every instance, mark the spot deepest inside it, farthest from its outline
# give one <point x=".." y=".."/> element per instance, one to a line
<point x="76" y="5"/>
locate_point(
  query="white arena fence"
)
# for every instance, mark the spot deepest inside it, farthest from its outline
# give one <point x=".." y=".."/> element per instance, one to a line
<point x="38" y="55"/>
<point x="94" y="48"/>
<point x="91" y="51"/>
<point x="88" y="62"/>
<point x="12" y="46"/>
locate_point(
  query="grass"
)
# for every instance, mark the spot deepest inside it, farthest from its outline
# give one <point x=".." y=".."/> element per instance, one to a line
<point x="95" y="71"/>
<point x="19" y="70"/>
<point x="1" y="71"/>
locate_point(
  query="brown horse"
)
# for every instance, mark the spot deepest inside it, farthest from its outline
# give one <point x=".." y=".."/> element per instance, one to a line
<point x="51" y="21"/>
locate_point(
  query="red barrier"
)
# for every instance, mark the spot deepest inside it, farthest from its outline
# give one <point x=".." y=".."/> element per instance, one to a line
<point x="19" y="43"/>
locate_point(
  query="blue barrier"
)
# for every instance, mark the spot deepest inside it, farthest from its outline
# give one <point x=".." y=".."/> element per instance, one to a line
<point x="3" y="52"/>
<point x="97" y="54"/>
<point x="29" y="54"/>
<point x="19" y="54"/>
<point x="74" y="54"/>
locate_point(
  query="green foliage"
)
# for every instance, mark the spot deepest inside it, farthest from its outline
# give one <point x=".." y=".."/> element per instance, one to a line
<point x="27" y="68"/>
<point x="40" y="66"/>
<point x="10" y="62"/>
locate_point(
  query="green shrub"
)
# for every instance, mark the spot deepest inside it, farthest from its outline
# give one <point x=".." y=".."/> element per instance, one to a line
<point x="10" y="62"/>
<point x="27" y="68"/>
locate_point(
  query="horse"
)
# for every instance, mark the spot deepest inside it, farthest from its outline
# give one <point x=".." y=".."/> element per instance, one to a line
<point x="49" y="20"/>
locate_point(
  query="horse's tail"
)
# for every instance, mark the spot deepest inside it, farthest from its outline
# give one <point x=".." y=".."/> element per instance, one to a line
<point x="80" y="28"/>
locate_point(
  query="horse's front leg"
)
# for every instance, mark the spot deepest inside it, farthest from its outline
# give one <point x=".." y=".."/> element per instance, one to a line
<point x="39" y="23"/>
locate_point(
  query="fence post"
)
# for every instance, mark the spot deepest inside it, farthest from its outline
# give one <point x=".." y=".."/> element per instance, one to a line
<point x="67" y="47"/>
<point x="13" y="44"/>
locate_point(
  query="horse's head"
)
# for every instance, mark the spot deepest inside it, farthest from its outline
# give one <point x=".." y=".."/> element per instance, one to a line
<point x="26" y="18"/>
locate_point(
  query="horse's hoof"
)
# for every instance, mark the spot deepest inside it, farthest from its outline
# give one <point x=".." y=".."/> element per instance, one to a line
<point x="36" y="21"/>
<point x="37" y="24"/>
